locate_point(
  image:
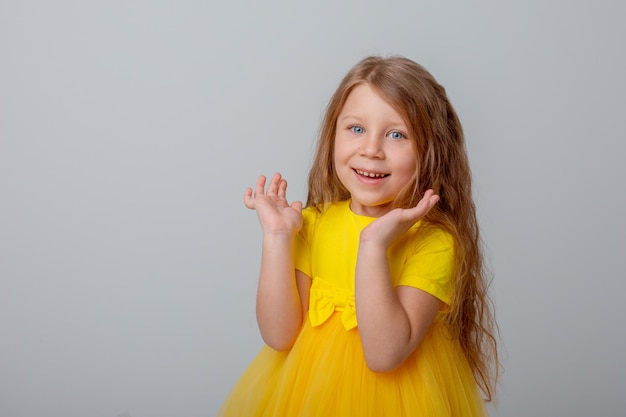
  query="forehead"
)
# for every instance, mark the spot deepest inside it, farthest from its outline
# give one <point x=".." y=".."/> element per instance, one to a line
<point x="366" y="101"/>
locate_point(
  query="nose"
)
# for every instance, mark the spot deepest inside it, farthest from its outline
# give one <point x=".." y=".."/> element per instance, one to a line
<point x="371" y="146"/>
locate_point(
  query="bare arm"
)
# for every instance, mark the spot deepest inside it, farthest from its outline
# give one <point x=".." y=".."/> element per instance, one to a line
<point x="279" y="306"/>
<point x="392" y="322"/>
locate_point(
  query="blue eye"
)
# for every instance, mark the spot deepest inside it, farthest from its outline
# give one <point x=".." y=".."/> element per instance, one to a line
<point x="357" y="129"/>
<point x="396" y="135"/>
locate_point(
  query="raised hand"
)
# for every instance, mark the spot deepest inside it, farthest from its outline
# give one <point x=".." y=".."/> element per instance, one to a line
<point x="275" y="213"/>
<point x="390" y="226"/>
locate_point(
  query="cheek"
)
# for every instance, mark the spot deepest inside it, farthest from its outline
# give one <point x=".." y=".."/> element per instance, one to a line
<point x="335" y="160"/>
<point x="407" y="162"/>
<point x="338" y="152"/>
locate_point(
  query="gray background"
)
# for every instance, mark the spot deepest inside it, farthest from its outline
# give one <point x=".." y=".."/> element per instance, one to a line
<point x="130" y="129"/>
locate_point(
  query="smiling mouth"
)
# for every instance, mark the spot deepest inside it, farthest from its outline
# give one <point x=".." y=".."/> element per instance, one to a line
<point x="370" y="174"/>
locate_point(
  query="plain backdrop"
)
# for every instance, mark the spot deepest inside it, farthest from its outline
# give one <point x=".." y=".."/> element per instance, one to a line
<point x="130" y="129"/>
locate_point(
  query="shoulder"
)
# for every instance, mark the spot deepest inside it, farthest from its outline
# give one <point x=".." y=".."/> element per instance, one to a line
<point x="310" y="213"/>
<point x="427" y="261"/>
<point x="428" y="236"/>
<point x="310" y="216"/>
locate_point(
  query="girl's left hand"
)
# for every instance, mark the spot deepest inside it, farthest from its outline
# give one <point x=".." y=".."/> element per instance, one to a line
<point x="392" y="225"/>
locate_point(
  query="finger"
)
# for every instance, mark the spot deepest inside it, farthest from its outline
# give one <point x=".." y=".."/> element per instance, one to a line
<point x="282" y="189"/>
<point x="297" y="205"/>
<point x="248" y="201"/>
<point x="428" y="194"/>
<point x="272" y="189"/>
<point x="427" y="202"/>
<point x="260" y="186"/>
<point x="434" y="200"/>
<point x="431" y="198"/>
<point x="430" y="202"/>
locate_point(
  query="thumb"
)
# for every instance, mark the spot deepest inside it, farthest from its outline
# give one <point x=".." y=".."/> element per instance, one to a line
<point x="297" y="205"/>
<point x="248" y="200"/>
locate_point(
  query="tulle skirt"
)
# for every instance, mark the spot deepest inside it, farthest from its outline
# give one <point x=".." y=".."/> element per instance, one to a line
<point x="325" y="375"/>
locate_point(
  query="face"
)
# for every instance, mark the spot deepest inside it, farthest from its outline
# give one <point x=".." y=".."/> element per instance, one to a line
<point x="374" y="156"/>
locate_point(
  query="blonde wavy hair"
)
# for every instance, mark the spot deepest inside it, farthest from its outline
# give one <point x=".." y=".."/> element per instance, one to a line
<point x="442" y="165"/>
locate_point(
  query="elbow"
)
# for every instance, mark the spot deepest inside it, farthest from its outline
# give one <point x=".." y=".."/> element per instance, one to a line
<point x="278" y="343"/>
<point x="383" y="363"/>
<point x="279" y="335"/>
<point x="389" y="355"/>
<point x="387" y="358"/>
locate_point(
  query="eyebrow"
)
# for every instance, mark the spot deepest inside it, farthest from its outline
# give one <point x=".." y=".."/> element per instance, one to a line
<point x="401" y="124"/>
<point x="347" y="116"/>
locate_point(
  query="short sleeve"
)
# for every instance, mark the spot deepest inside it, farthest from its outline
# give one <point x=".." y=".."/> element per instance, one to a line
<point x="302" y="244"/>
<point x="429" y="265"/>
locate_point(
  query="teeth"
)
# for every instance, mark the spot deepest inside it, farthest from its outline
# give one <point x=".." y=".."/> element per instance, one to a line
<point x="370" y="174"/>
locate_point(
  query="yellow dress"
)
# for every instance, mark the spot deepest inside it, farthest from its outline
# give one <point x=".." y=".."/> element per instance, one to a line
<point x="324" y="374"/>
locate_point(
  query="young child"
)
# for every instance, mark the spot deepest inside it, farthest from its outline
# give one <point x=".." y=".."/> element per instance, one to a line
<point x="372" y="300"/>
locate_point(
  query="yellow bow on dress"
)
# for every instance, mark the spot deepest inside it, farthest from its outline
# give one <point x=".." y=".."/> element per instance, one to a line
<point x="325" y="299"/>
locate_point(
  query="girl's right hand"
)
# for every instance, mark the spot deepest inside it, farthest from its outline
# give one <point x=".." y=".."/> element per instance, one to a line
<point x="275" y="214"/>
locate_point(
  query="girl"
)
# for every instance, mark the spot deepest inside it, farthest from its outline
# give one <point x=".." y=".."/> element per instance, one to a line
<point x="372" y="300"/>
